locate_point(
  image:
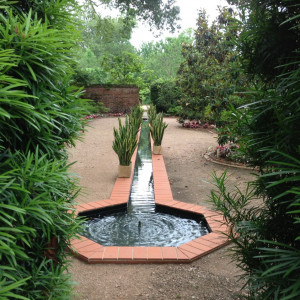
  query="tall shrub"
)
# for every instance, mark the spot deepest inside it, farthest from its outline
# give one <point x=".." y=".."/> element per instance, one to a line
<point x="267" y="236"/>
<point x="165" y="95"/>
<point x="209" y="74"/>
<point x="40" y="115"/>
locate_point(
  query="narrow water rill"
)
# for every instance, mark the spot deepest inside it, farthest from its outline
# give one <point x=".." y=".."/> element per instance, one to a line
<point x="141" y="222"/>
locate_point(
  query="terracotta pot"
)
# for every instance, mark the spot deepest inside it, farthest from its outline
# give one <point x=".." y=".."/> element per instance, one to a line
<point x="125" y="171"/>
<point x="157" y="149"/>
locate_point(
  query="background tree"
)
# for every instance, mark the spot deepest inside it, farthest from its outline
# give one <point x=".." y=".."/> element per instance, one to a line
<point x="101" y="37"/>
<point x="105" y="34"/>
<point x="107" y="56"/>
<point x="266" y="236"/>
<point x="164" y="57"/>
<point x="123" y="68"/>
<point x="209" y="74"/>
<point x="159" y="14"/>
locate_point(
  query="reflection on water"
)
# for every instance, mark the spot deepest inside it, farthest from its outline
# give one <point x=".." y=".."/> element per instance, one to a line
<point x="140" y="225"/>
<point x="142" y="191"/>
<point x="143" y="229"/>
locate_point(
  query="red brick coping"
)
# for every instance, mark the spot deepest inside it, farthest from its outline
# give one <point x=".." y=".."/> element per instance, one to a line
<point x="92" y="252"/>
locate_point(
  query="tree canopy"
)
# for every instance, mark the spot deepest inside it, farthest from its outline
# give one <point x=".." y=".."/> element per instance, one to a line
<point x="209" y="74"/>
<point x="164" y="57"/>
<point x="158" y="13"/>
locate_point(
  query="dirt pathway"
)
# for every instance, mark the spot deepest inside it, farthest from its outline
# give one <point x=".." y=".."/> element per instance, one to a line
<point x="212" y="277"/>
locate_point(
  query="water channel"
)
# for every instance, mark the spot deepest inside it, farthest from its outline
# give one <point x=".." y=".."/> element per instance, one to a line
<point x="142" y="223"/>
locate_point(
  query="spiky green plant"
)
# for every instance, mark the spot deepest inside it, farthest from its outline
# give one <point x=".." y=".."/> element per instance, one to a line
<point x="151" y="113"/>
<point x="157" y="129"/>
<point x="125" y="142"/>
<point x="136" y="117"/>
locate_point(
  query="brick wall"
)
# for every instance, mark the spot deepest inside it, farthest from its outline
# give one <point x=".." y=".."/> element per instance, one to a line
<point x="119" y="99"/>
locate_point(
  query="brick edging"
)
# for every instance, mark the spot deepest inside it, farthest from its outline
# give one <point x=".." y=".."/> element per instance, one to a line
<point x="92" y="252"/>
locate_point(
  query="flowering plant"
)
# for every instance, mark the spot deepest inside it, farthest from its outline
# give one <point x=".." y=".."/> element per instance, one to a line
<point x="223" y="151"/>
<point x="116" y="114"/>
<point x="230" y="152"/>
<point x="197" y="124"/>
<point x="92" y="116"/>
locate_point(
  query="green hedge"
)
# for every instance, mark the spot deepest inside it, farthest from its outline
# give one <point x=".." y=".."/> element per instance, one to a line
<point x="165" y="95"/>
<point x="40" y="114"/>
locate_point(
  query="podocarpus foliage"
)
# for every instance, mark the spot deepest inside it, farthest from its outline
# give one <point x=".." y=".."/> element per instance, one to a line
<point x="125" y="142"/>
<point x="267" y="236"/>
<point x="40" y="114"/>
<point x="157" y="129"/>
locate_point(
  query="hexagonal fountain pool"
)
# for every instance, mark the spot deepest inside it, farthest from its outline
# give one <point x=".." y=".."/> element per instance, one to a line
<point x="142" y="230"/>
